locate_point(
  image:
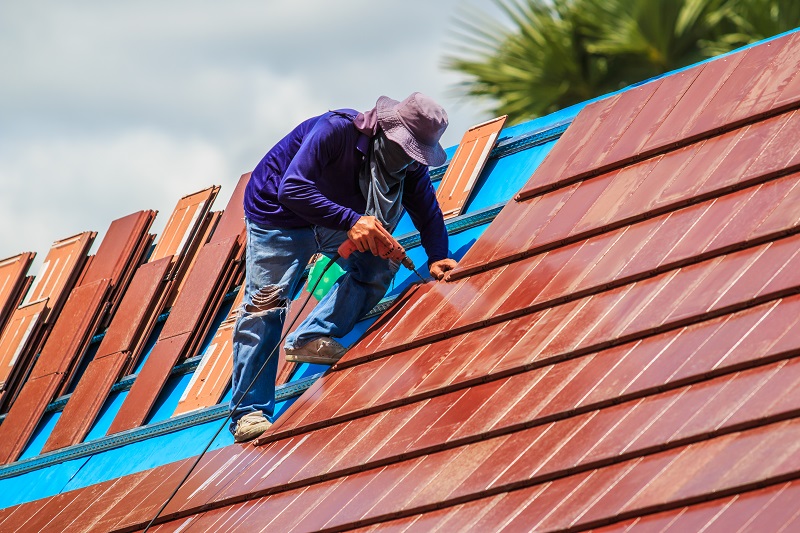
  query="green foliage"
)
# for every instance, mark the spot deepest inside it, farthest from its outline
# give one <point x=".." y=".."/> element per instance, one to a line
<point x="560" y="52"/>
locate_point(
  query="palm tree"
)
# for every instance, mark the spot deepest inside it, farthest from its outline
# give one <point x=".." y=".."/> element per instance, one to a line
<point x="755" y="20"/>
<point x="536" y="68"/>
<point x="560" y="52"/>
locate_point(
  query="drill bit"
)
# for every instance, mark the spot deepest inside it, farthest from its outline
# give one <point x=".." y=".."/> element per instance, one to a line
<point x="409" y="264"/>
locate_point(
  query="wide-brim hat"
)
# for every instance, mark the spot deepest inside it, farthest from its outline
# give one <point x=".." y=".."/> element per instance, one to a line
<point x="417" y="123"/>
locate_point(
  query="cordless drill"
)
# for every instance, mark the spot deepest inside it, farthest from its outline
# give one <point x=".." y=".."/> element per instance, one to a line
<point x="395" y="252"/>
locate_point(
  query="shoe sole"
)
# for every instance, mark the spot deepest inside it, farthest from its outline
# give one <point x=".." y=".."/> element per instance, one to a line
<point x="313" y="359"/>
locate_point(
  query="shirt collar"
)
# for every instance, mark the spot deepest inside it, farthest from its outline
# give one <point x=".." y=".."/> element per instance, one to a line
<point x="362" y="143"/>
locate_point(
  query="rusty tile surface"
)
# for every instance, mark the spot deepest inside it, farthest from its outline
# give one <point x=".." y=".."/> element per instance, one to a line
<point x="22" y="419"/>
<point x="22" y="325"/>
<point x="183" y="224"/>
<point x="202" y="283"/>
<point x="466" y="166"/>
<point x="13" y="276"/>
<point x="149" y="383"/>
<point x="213" y="374"/>
<point x="122" y="341"/>
<point x="187" y="323"/>
<point x="117" y="252"/>
<point x="86" y="401"/>
<point x="72" y="330"/>
<point x="135" y="314"/>
<point x="60" y="269"/>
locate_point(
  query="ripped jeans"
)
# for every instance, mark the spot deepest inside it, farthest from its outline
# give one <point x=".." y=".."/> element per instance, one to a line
<point x="276" y="259"/>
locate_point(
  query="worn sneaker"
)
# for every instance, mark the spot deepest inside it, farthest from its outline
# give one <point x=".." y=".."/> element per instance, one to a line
<point x="250" y="426"/>
<point x="321" y="351"/>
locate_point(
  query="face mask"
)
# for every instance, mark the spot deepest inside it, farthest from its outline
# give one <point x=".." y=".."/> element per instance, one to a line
<point x="393" y="158"/>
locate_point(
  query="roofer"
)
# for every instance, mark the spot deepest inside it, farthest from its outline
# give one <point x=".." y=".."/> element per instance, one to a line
<point x="336" y="176"/>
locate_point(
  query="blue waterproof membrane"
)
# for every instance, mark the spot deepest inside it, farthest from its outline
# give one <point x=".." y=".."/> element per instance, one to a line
<point x="83" y="365"/>
<point x="43" y="430"/>
<point x="106" y="416"/>
<point x="40" y="483"/>
<point x="148" y="347"/>
<point x="110" y="464"/>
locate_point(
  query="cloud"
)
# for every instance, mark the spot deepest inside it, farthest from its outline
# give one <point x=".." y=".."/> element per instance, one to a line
<point x="60" y="188"/>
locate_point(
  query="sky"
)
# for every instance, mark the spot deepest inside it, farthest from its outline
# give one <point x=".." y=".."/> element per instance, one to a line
<point x="107" y="108"/>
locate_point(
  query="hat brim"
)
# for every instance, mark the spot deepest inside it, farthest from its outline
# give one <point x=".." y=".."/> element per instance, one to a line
<point x="392" y="125"/>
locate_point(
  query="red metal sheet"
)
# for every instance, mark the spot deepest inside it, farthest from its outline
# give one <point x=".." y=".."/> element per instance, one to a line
<point x="642" y="187"/>
<point x="48" y="517"/>
<point x="117" y="252"/>
<point x="232" y="222"/>
<point x="149" y="383"/>
<point x="12" y="282"/>
<point x="687" y="119"/>
<point x="142" y="499"/>
<point x="21" y="514"/>
<point x="22" y="325"/>
<point x="781" y="152"/>
<point x="60" y="269"/>
<point x="86" y="401"/>
<point x="131" y="324"/>
<point x="213" y="467"/>
<point x="202" y="284"/>
<point x="696" y="98"/>
<point x="22" y="419"/>
<point x="700" y="336"/>
<point x="664" y="99"/>
<point x="190" y="255"/>
<point x="466" y="166"/>
<point x="772" y="79"/>
<point x="730" y="104"/>
<point x="213" y="375"/>
<point x="593" y="154"/>
<point x="743" y="512"/>
<point x="138" y="309"/>
<point x="184" y="223"/>
<point x="72" y="330"/>
<point x="584" y="127"/>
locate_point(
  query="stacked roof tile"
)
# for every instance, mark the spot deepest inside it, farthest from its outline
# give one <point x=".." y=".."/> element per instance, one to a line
<point x="616" y="352"/>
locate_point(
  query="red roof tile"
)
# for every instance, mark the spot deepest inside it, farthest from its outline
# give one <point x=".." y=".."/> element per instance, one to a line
<point x="618" y="349"/>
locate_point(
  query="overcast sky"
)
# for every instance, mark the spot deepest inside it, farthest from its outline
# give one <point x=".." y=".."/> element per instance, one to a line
<point x="107" y="108"/>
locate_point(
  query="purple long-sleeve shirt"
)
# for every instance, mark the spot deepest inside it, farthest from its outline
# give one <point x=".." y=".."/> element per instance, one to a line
<point x="311" y="178"/>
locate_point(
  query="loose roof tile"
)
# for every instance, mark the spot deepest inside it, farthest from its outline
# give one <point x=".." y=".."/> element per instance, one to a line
<point x="14" y="281"/>
<point x="184" y="224"/>
<point x="184" y="329"/>
<point x="213" y="375"/>
<point x="71" y="333"/>
<point x="118" y="350"/>
<point x="466" y="166"/>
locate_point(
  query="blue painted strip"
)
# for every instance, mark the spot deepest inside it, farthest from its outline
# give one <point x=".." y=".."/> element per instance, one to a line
<point x="217" y="412"/>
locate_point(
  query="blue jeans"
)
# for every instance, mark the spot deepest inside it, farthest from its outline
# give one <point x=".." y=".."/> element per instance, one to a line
<point x="276" y="259"/>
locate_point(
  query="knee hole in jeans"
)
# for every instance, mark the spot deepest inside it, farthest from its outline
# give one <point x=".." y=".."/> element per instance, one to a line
<point x="266" y="299"/>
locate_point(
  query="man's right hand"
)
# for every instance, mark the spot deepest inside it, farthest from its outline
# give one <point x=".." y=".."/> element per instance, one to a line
<point x="367" y="233"/>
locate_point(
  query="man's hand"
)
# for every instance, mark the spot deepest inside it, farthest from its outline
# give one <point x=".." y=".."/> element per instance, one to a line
<point x="440" y="268"/>
<point x="367" y="233"/>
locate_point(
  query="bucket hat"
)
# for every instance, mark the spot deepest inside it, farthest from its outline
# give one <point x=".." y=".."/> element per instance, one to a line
<point x="416" y="124"/>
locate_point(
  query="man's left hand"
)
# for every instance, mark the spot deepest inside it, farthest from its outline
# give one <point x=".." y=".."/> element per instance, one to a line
<point x="440" y="268"/>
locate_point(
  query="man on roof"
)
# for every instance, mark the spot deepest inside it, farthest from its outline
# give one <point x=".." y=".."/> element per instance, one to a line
<point x="341" y="175"/>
